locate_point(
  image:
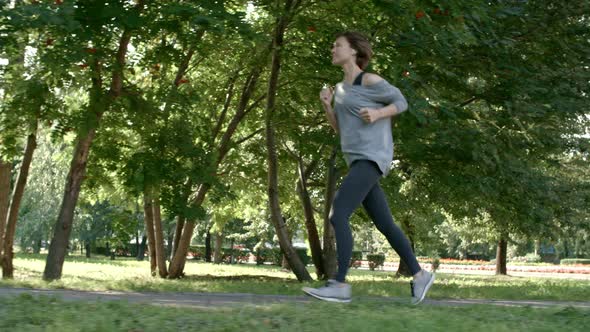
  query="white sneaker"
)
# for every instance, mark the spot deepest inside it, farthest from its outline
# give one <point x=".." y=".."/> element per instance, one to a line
<point x="420" y="286"/>
<point x="334" y="291"/>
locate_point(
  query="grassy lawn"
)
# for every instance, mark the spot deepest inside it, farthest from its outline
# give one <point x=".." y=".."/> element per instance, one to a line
<point x="28" y="313"/>
<point x="129" y="275"/>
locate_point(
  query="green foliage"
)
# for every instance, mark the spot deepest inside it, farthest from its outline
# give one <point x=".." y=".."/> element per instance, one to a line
<point x="355" y="259"/>
<point x="493" y="141"/>
<point x="529" y="258"/>
<point x="196" y="252"/>
<point x="375" y="260"/>
<point x="43" y="193"/>
<point x="240" y="255"/>
<point x="303" y="256"/>
<point x="273" y="255"/>
<point x="104" y="222"/>
<point x="572" y="261"/>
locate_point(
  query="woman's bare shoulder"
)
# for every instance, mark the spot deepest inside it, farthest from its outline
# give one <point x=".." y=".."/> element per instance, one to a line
<point x="371" y="79"/>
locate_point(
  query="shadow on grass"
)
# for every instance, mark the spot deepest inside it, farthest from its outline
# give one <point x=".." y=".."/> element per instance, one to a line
<point x="245" y="278"/>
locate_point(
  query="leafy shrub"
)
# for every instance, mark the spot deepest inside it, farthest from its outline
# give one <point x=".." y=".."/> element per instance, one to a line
<point x="375" y="260"/>
<point x="239" y="255"/>
<point x="196" y="252"/>
<point x="273" y="255"/>
<point x="528" y="258"/>
<point x="355" y="260"/>
<point x="435" y="264"/>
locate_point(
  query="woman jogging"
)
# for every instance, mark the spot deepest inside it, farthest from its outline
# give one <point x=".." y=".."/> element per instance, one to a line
<point x="363" y="106"/>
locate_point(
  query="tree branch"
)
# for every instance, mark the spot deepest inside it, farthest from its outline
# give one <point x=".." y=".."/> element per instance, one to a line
<point x="468" y="101"/>
<point x="228" y="99"/>
<point x="117" y="82"/>
<point x="248" y="137"/>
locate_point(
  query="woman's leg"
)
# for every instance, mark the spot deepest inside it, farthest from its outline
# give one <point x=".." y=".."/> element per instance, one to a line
<point x="376" y="206"/>
<point x="362" y="176"/>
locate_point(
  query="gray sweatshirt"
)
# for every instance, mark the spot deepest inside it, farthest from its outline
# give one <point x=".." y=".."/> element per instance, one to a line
<point x="359" y="139"/>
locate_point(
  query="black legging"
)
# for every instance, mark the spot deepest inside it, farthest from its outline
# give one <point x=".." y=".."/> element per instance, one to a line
<point x="361" y="184"/>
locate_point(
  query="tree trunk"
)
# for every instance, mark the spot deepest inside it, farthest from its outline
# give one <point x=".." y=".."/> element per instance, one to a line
<point x="501" y="255"/>
<point x="17" y="195"/>
<point x="5" y="177"/>
<point x="285" y="263"/>
<point x="208" y="246"/>
<point x="310" y="224"/>
<point x="179" y="259"/>
<point x="149" y="229"/>
<point x="218" y="244"/>
<point x="136" y="242"/>
<point x="273" y="191"/>
<point x="137" y="229"/>
<point x="87" y="246"/>
<point x="141" y="250"/>
<point x="37" y="247"/>
<point x="408" y="228"/>
<point x="329" y="251"/>
<point x="63" y="226"/>
<point x="537" y="244"/>
<point x="170" y="243"/>
<point x="231" y="250"/>
<point x="177" y="235"/>
<point x="159" y="234"/>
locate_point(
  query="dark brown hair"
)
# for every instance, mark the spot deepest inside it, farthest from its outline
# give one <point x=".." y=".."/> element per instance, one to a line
<point x="360" y="44"/>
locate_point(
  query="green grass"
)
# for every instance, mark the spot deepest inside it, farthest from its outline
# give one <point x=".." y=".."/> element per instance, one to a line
<point x="129" y="275"/>
<point x="33" y="313"/>
<point x="28" y="313"/>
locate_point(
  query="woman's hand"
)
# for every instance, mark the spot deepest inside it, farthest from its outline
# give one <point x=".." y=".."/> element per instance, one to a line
<point x="370" y="115"/>
<point x="326" y="96"/>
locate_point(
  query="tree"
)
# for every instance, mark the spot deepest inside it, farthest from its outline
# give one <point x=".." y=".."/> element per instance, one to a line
<point x="490" y="124"/>
<point x="290" y="8"/>
<point x="26" y="103"/>
<point x="99" y="102"/>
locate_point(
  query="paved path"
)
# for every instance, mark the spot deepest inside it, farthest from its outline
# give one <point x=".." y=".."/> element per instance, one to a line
<point x="207" y="300"/>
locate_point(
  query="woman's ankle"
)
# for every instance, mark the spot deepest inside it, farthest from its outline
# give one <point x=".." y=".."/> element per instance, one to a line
<point x="418" y="274"/>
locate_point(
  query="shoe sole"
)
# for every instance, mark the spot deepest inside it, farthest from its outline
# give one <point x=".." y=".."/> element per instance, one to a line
<point x="324" y="298"/>
<point x="430" y="282"/>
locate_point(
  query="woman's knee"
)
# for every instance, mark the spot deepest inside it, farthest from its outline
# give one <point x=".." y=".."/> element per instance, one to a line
<point x="337" y="217"/>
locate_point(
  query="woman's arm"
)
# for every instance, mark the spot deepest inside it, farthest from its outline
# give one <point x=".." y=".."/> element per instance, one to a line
<point x="331" y="116"/>
<point x="396" y="102"/>
<point x="326" y="96"/>
<point x="371" y="115"/>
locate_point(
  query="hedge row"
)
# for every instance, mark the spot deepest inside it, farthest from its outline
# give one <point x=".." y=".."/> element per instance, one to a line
<point x="274" y="255"/>
<point x="571" y="261"/>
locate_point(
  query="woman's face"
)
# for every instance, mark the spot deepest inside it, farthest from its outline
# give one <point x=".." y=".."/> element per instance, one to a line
<point x="342" y="52"/>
